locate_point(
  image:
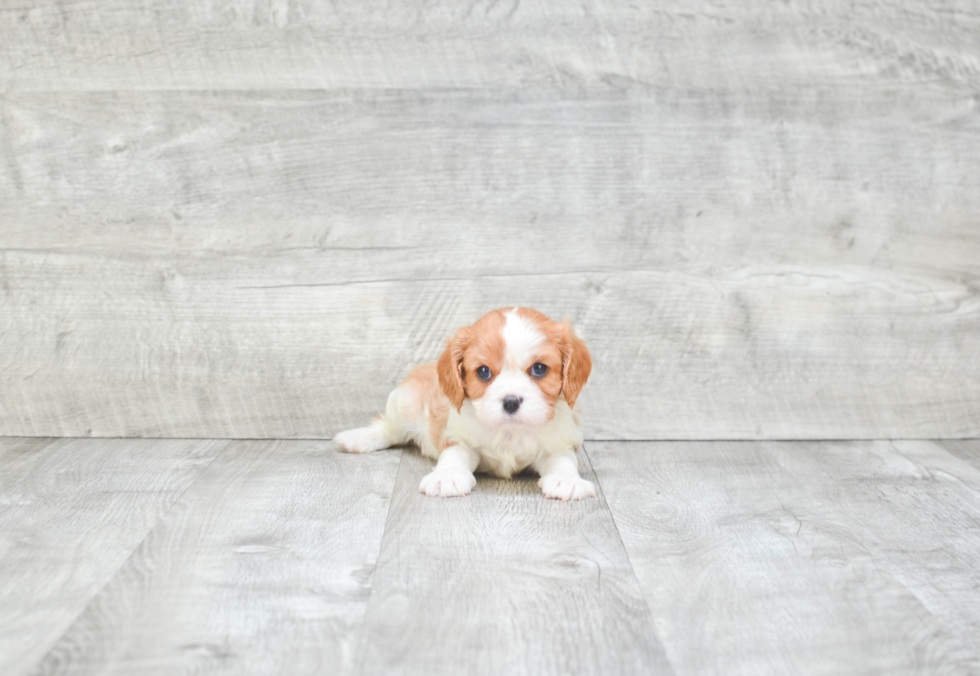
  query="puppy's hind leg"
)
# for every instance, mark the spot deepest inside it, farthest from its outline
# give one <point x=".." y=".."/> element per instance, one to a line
<point x="386" y="430"/>
<point x="364" y="439"/>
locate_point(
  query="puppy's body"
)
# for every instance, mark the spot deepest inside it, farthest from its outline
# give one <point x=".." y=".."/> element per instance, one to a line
<point x="499" y="400"/>
<point x="507" y="451"/>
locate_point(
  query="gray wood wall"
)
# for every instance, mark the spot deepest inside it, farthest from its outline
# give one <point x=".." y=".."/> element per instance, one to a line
<point x="234" y="219"/>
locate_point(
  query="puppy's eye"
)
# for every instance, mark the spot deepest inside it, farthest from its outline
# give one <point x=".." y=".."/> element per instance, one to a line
<point x="483" y="373"/>
<point x="539" y="370"/>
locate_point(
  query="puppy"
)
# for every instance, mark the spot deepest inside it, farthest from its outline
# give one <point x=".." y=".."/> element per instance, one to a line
<point x="500" y="399"/>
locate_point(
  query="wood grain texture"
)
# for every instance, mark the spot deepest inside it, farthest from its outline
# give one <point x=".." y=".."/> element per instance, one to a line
<point x="262" y="567"/>
<point x="797" y="262"/>
<point x="815" y="558"/>
<point x="71" y="512"/>
<point x="916" y="508"/>
<point x="219" y="44"/>
<point x="967" y="450"/>
<point x="504" y="581"/>
<point x="288" y="557"/>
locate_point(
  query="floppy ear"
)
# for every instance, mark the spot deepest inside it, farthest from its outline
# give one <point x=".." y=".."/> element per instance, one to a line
<point x="450" y="369"/>
<point x="576" y="363"/>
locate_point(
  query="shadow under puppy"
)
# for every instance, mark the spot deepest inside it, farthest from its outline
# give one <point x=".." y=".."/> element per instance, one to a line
<point x="500" y="399"/>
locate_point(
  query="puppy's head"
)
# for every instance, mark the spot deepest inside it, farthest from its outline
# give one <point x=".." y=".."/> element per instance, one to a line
<point x="513" y="364"/>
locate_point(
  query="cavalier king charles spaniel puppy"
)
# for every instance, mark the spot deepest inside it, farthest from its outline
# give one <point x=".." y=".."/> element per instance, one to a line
<point x="500" y="399"/>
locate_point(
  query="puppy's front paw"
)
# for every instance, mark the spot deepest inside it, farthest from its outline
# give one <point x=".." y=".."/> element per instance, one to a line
<point x="447" y="483"/>
<point x="566" y="487"/>
<point x="361" y="440"/>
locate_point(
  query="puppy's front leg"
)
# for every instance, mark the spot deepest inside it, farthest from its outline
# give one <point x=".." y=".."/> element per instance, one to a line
<point x="453" y="475"/>
<point x="560" y="479"/>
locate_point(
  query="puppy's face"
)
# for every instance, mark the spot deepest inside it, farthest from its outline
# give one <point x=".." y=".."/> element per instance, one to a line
<point x="513" y="364"/>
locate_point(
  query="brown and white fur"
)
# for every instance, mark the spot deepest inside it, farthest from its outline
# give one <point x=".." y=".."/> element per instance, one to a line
<point x="502" y="424"/>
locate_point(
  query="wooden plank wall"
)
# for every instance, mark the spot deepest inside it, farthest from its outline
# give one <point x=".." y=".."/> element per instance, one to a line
<point x="233" y="219"/>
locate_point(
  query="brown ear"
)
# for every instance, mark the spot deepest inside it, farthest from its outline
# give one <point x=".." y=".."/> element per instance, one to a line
<point x="576" y="364"/>
<point x="450" y="369"/>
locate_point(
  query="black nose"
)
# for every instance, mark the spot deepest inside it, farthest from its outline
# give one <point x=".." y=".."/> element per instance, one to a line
<point x="512" y="403"/>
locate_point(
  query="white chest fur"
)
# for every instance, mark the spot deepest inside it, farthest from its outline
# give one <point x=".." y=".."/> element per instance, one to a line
<point x="508" y="449"/>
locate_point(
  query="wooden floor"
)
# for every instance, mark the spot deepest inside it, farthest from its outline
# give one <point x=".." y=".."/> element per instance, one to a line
<point x="287" y="557"/>
<point x="224" y="219"/>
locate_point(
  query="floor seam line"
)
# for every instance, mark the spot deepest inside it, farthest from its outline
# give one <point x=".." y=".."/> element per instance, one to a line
<point x="110" y="578"/>
<point x="359" y="657"/>
<point x="629" y="559"/>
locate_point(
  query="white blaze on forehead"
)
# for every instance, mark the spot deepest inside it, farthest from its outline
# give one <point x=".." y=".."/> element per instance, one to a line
<point x="520" y="338"/>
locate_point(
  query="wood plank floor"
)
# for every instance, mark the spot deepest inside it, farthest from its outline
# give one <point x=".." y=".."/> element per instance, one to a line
<point x="163" y="557"/>
<point x="71" y="512"/>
